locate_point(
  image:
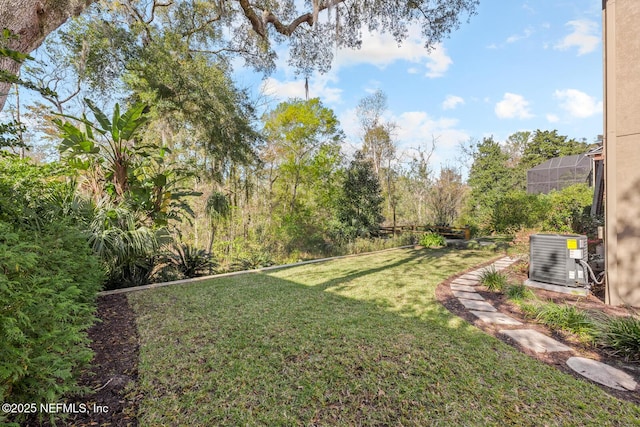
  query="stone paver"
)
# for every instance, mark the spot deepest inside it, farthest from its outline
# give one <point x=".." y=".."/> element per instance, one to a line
<point x="477" y="305"/>
<point x="461" y="281"/>
<point x="497" y="318"/>
<point x="602" y="373"/>
<point x="474" y="275"/>
<point x="464" y="288"/>
<point x="468" y="295"/>
<point x="534" y="340"/>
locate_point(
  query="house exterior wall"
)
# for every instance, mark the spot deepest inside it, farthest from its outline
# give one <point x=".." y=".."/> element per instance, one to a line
<point x="621" y="38"/>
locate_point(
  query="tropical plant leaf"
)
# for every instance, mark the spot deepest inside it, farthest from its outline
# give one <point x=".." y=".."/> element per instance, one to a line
<point x="131" y="120"/>
<point x="99" y="115"/>
<point x="115" y="123"/>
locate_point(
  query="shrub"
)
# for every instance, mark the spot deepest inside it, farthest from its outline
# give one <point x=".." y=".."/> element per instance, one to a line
<point x="516" y="210"/>
<point x="518" y="292"/>
<point x="569" y="208"/>
<point x="49" y="280"/>
<point x="190" y="261"/>
<point x="620" y="335"/>
<point x="493" y="280"/>
<point x="252" y="261"/>
<point x="432" y="240"/>
<point x="568" y="318"/>
<point x="48" y="285"/>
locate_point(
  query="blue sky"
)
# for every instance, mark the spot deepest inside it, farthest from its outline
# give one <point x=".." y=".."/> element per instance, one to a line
<point x="517" y="65"/>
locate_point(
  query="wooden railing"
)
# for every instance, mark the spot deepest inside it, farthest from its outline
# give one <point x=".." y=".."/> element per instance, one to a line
<point x="450" y="232"/>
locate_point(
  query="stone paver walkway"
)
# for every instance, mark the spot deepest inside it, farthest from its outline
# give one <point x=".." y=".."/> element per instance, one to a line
<point x="534" y="340"/>
<point x="468" y="295"/>
<point x="464" y="288"/>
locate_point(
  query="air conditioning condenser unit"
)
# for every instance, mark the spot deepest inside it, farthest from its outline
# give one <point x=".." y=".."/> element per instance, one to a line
<point x="558" y="259"/>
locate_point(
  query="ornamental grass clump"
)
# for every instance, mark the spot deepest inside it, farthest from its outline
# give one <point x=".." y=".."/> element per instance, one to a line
<point x="620" y="336"/>
<point x="568" y="318"/>
<point x="493" y="280"/>
<point x="518" y="292"/>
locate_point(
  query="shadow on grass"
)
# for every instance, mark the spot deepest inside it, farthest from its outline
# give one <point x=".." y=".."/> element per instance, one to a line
<point x="266" y="350"/>
<point x="414" y="255"/>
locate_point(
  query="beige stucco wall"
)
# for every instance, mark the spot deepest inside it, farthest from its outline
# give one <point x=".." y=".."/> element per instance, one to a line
<point x="621" y="36"/>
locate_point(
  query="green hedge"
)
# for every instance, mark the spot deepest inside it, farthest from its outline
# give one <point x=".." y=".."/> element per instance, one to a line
<point x="49" y="281"/>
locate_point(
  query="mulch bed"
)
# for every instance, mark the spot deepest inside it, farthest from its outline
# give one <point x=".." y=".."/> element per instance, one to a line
<point x="113" y="371"/>
<point x="557" y="359"/>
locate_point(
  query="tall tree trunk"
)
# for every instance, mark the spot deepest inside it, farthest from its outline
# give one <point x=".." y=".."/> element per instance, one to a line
<point x="31" y="21"/>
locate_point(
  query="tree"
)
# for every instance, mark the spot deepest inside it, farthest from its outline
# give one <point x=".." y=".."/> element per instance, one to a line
<point x="545" y="145"/>
<point x="298" y="132"/>
<point x="255" y="25"/>
<point x="33" y="20"/>
<point x="515" y="146"/>
<point x="489" y="179"/>
<point x="217" y="208"/>
<point x="360" y="208"/>
<point x="11" y="134"/>
<point x="117" y="166"/>
<point x="377" y="143"/>
<point x="195" y="101"/>
<point x="446" y="197"/>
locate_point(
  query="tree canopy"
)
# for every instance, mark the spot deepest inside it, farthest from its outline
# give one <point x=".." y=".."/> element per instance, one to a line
<point x="313" y="28"/>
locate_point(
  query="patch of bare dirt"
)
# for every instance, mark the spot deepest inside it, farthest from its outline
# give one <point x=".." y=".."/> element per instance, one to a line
<point x="557" y="359"/>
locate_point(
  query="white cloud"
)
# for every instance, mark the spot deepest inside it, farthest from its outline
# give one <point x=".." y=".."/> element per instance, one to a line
<point x="552" y="118"/>
<point x="513" y="106"/>
<point x="584" y="36"/>
<point x="418" y="128"/>
<point x="381" y="50"/>
<point x="578" y="104"/>
<point x="414" y="129"/>
<point x="439" y="62"/>
<point x="526" y="6"/>
<point x="451" y="102"/>
<point x="525" y="34"/>
<point x="319" y="86"/>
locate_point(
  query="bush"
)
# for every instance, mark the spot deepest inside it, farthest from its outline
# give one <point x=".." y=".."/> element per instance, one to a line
<point x="620" y="335"/>
<point x="493" y="280"/>
<point x="569" y="207"/>
<point x="49" y="280"/>
<point x="432" y="240"/>
<point x="252" y="261"/>
<point x="518" y="292"/>
<point x="190" y="261"/>
<point x="48" y="284"/>
<point x="517" y="210"/>
<point x="568" y="318"/>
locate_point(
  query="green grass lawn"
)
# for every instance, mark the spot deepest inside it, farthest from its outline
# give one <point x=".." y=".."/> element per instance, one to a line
<point x="355" y="341"/>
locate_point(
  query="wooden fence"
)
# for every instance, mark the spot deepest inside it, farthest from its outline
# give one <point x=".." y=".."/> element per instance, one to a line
<point x="449" y="232"/>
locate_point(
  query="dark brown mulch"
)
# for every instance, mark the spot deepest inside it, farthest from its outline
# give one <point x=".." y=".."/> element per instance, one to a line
<point x="557" y="359"/>
<point x="113" y="371"/>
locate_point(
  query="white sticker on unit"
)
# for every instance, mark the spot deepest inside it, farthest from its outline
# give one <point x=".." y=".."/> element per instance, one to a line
<point x="575" y="254"/>
<point x="580" y="274"/>
<point x="572" y="275"/>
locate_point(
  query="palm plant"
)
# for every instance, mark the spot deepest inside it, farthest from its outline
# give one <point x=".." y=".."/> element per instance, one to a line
<point x="190" y="261"/>
<point x="127" y="248"/>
